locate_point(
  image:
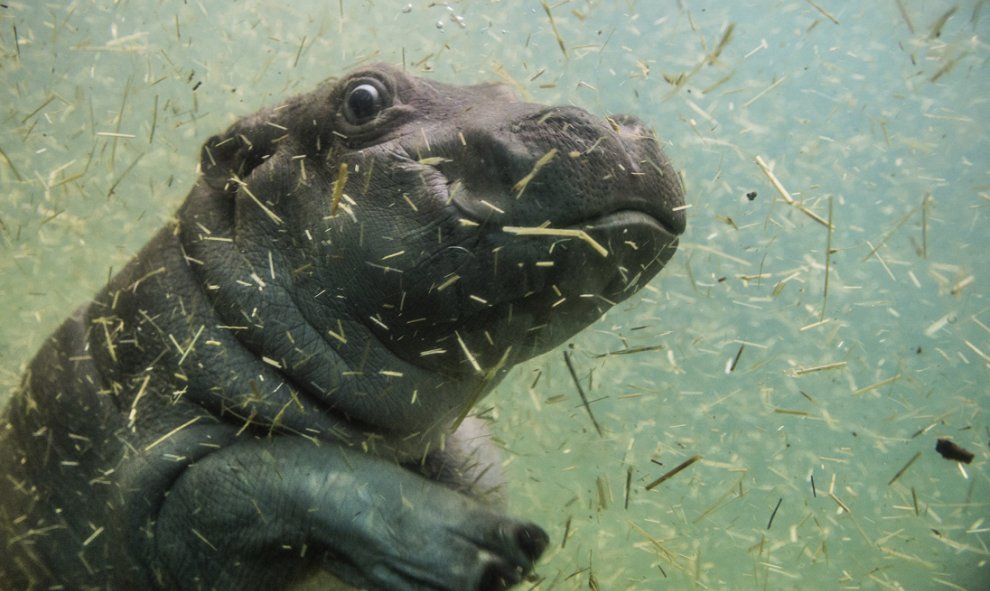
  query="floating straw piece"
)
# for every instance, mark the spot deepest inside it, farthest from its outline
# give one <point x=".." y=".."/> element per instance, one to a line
<point x="673" y="472"/>
<point x="786" y="196"/>
<point x="564" y="232"/>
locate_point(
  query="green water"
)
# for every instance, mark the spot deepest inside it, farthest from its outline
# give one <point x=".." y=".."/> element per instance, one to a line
<point x="872" y="113"/>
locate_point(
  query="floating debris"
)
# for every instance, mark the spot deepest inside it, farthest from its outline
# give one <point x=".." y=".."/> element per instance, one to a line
<point x="467" y="353"/>
<point x="828" y="259"/>
<point x="876" y="385"/>
<point x="774" y="514"/>
<point x="905" y="16"/>
<point x="735" y="360"/>
<point x="247" y="191"/>
<point x="723" y="42"/>
<point x="673" y="472"/>
<point x="565" y="232"/>
<point x="338" y="188"/>
<point x="171" y="433"/>
<point x="630" y="351"/>
<point x="556" y="33"/>
<point x="629" y="472"/>
<point x="936" y="30"/>
<point x="904" y="469"/>
<point x="603" y="495"/>
<point x="824" y="367"/>
<point x="785" y="195"/>
<point x="953" y="451"/>
<point x="584" y="398"/>
<point x="522" y="183"/>
<point x="765" y="91"/>
<point x="824" y="12"/>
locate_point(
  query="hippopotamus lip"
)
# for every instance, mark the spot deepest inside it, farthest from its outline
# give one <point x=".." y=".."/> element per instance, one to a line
<point x="625" y="212"/>
<point x="628" y="217"/>
<point x="668" y="222"/>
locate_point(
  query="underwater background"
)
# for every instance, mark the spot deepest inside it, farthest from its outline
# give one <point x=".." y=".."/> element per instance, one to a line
<point x="823" y="324"/>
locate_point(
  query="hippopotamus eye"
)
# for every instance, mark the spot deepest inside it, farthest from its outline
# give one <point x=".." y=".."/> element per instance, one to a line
<point x="363" y="102"/>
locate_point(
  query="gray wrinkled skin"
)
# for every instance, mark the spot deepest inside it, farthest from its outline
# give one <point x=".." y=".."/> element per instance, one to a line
<point x="272" y="388"/>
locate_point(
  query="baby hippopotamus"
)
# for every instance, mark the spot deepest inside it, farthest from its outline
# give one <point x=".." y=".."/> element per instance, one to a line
<point x="280" y="382"/>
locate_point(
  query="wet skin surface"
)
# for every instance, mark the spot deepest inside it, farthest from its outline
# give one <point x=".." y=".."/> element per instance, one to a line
<point x="278" y="383"/>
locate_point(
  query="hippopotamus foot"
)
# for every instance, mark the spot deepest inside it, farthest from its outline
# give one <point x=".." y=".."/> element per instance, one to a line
<point x="371" y="522"/>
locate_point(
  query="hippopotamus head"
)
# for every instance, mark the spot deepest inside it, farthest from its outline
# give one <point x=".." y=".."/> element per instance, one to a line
<point x="429" y="236"/>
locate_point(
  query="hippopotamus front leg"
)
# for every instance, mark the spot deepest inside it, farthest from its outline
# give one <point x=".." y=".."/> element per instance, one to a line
<point x="372" y="522"/>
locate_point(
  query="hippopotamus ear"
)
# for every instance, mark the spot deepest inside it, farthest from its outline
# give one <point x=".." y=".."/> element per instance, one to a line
<point x="237" y="151"/>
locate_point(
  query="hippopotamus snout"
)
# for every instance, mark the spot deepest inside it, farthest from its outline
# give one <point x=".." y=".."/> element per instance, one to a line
<point x="560" y="165"/>
<point x="623" y="156"/>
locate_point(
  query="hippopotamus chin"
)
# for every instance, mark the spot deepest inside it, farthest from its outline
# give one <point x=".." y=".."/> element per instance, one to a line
<point x="279" y="383"/>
